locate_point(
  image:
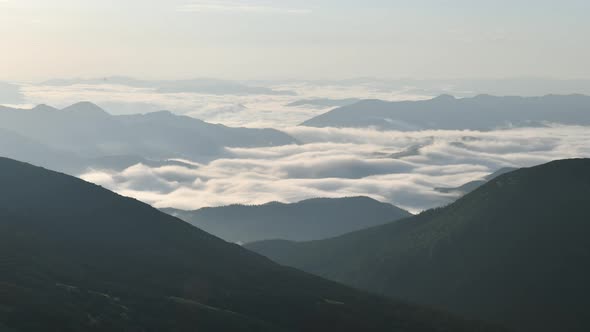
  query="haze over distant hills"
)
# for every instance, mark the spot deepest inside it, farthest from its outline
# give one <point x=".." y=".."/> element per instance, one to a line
<point x="13" y="145"/>
<point x="10" y="93"/>
<point x="86" y="131"/>
<point x="311" y="219"/>
<point x="76" y="257"/>
<point x="524" y="86"/>
<point x="18" y="147"/>
<point x="514" y="251"/>
<point x="323" y="102"/>
<point x="483" y="112"/>
<point x="201" y="85"/>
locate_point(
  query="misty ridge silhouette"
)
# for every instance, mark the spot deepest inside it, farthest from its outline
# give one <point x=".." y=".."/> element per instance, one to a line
<point x="482" y="112"/>
<point x="311" y="219"/>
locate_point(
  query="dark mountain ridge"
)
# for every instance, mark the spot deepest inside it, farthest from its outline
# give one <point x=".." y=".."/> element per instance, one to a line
<point x="76" y="257"/>
<point x="515" y="251"/>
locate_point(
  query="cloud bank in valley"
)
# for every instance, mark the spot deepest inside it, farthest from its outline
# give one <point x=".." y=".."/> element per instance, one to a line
<point x="400" y="168"/>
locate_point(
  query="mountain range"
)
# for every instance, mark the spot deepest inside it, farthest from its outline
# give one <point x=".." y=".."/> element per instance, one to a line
<point x="311" y="219"/>
<point x="77" y="257"/>
<point x="84" y="132"/>
<point x="515" y="251"/>
<point x="482" y="112"/>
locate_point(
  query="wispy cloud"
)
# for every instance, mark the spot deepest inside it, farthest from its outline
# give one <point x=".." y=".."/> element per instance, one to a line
<point x="239" y="7"/>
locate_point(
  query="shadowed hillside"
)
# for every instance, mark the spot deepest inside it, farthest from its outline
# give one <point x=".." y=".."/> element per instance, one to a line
<point x="76" y="257"/>
<point x="515" y="252"/>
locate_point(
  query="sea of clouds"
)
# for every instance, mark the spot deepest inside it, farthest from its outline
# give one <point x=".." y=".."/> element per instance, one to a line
<point x="402" y="168"/>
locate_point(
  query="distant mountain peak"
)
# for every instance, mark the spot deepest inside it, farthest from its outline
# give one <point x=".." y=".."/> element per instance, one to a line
<point x="163" y="113"/>
<point x="445" y="97"/>
<point x="85" y="107"/>
<point x="44" y="108"/>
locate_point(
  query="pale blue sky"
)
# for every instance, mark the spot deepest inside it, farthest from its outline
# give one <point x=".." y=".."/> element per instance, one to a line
<point x="257" y="39"/>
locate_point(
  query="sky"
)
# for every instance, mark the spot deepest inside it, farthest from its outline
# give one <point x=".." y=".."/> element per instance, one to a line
<point x="321" y="39"/>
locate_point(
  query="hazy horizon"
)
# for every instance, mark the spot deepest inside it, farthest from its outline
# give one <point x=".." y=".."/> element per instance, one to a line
<point x="258" y="39"/>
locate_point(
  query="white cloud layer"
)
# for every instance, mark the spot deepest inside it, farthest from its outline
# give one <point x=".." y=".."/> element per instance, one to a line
<point x="231" y="110"/>
<point x="348" y="162"/>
